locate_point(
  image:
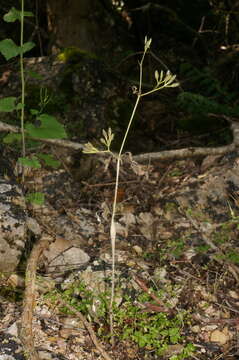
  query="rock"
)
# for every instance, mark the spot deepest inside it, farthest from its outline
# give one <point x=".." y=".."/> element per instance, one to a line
<point x="195" y="329"/>
<point x="12" y="225"/>
<point x="45" y="355"/>
<point x="12" y="330"/>
<point x="234" y="294"/>
<point x="220" y="337"/>
<point x="138" y="249"/>
<point x="62" y="255"/>
<point x="33" y="226"/>
<point x="160" y="275"/>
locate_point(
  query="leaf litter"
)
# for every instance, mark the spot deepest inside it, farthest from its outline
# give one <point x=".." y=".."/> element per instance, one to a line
<point x="176" y="243"/>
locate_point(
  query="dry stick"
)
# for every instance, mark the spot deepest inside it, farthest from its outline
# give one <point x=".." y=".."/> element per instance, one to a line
<point x="26" y="332"/>
<point x="197" y="151"/>
<point x="160" y="307"/>
<point x="184" y="153"/>
<point x="57" y="142"/>
<point x="144" y="158"/>
<point x="109" y="183"/>
<point x="88" y="328"/>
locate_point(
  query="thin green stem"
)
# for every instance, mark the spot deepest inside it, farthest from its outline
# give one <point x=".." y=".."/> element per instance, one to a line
<point x="167" y="82"/>
<point x="112" y="227"/>
<point x="22" y="85"/>
<point x="152" y="91"/>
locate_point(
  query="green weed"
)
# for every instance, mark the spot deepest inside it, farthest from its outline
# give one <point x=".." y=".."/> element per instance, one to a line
<point x="43" y="125"/>
<point x="150" y="330"/>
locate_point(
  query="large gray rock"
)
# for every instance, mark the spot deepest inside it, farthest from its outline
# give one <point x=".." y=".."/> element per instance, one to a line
<point x="12" y="225"/>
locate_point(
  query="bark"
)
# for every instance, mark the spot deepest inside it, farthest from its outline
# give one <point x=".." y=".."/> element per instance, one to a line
<point x="76" y="23"/>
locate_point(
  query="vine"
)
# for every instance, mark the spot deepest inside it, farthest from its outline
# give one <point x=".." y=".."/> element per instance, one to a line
<point x="43" y="125"/>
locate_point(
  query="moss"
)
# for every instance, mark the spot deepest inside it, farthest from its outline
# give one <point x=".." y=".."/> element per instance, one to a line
<point x="73" y="54"/>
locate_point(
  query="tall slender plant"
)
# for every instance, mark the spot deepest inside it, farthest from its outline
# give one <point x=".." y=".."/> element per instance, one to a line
<point x="49" y="126"/>
<point x="9" y="50"/>
<point x="162" y="81"/>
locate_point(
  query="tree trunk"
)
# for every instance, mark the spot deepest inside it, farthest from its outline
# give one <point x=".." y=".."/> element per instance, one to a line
<point x="79" y="23"/>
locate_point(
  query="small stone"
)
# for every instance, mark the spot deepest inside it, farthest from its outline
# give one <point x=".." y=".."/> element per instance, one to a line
<point x="219" y="337"/>
<point x="62" y="255"/>
<point x="195" y="329"/>
<point x="12" y="330"/>
<point x="160" y="274"/>
<point x="233" y="294"/>
<point x="209" y="327"/>
<point x="138" y="250"/>
<point x="33" y="226"/>
<point x="45" y="355"/>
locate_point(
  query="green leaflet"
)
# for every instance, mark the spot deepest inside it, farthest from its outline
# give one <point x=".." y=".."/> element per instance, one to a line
<point x="9" y="49"/>
<point x="7" y="104"/>
<point x="14" y="14"/>
<point x="49" y="128"/>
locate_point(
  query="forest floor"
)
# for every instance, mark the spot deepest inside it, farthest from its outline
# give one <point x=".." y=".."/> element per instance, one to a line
<point x="177" y="257"/>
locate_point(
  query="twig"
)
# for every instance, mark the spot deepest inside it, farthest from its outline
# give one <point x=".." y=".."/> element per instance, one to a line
<point x="160" y="307"/>
<point x="144" y="158"/>
<point x="199" y="30"/>
<point x="88" y="328"/>
<point x="109" y="184"/>
<point x="184" y="153"/>
<point x="57" y="142"/>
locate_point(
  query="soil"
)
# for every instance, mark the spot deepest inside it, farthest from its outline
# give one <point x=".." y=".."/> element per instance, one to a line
<point x="177" y="231"/>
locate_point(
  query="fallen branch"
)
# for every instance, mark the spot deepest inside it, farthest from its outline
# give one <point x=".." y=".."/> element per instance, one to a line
<point x="57" y="142"/>
<point x="184" y="153"/>
<point x="87" y="326"/>
<point x="147" y="157"/>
